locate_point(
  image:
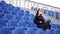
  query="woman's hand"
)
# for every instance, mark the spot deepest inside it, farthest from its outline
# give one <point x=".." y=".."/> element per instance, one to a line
<point x="40" y="21"/>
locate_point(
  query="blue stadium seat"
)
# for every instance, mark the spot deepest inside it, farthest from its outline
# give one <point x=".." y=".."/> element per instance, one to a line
<point x="0" y="30"/>
<point x="23" y="23"/>
<point x="27" y="13"/>
<point x="53" y="13"/>
<point x="21" y="12"/>
<point x="32" y="8"/>
<point x="13" y="12"/>
<point x="44" y="11"/>
<point x="31" y="24"/>
<point x="53" y="26"/>
<point x="49" y="12"/>
<point x="57" y="32"/>
<point x="49" y="20"/>
<point x="57" y="15"/>
<point x="40" y="31"/>
<point x="1" y="16"/>
<point x="48" y="31"/>
<point x="2" y="23"/>
<point x="6" y="11"/>
<point x="8" y="16"/>
<point x="17" y="17"/>
<point x="6" y="31"/>
<point x="19" y="31"/>
<point x="12" y="24"/>
<point x="32" y="17"/>
<point x="31" y="31"/>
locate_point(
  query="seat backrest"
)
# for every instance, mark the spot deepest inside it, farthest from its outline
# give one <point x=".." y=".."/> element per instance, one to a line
<point x="48" y="31"/>
<point x="6" y="31"/>
<point x="19" y="31"/>
<point x="31" y="31"/>
<point x="2" y="23"/>
<point x="40" y="31"/>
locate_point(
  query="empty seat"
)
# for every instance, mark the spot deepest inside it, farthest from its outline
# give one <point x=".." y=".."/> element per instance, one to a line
<point x="49" y="12"/>
<point x="8" y="16"/>
<point x="31" y="31"/>
<point x="57" y="15"/>
<point x="2" y="23"/>
<point x="2" y="16"/>
<point x="44" y="11"/>
<point x="27" y="13"/>
<point x="40" y="31"/>
<point x="21" y="12"/>
<point x="32" y="24"/>
<point x="6" y="31"/>
<point x="6" y="11"/>
<point x="19" y="31"/>
<point x="12" y="24"/>
<point x="57" y="32"/>
<point x="48" y="31"/>
<point x="23" y="23"/>
<point x="53" y="13"/>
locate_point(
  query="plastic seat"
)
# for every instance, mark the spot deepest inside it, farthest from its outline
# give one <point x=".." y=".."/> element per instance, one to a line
<point x="18" y="17"/>
<point x="52" y="13"/>
<point x="57" y="15"/>
<point x="19" y="31"/>
<point x="21" y="12"/>
<point x="8" y="16"/>
<point x="6" y="31"/>
<point x="5" y="11"/>
<point x="49" y="12"/>
<point x="48" y="31"/>
<point x="40" y="31"/>
<point x="23" y="24"/>
<point x="49" y="20"/>
<point x="12" y="24"/>
<point x="2" y="23"/>
<point x="31" y="24"/>
<point x="1" y="16"/>
<point x="44" y="11"/>
<point x="57" y="32"/>
<point x="27" y="13"/>
<point x="31" y="31"/>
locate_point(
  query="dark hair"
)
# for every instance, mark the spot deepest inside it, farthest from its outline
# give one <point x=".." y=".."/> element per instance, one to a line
<point x="37" y="12"/>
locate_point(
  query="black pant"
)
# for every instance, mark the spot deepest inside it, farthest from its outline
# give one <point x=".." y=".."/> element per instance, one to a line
<point x="44" y="26"/>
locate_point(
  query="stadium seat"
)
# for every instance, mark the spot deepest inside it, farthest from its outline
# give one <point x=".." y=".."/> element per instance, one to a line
<point x="31" y="31"/>
<point x="27" y="13"/>
<point x="57" y="15"/>
<point x="8" y="16"/>
<point x="23" y="23"/>
<point x="40" y="31"/>
<point x="2" y="23"/>
<point x="21" y="12"/>
<point x="49" y="12"/>
<point x="57" y="32"/>
<point x="53" y="13"/>
<point x="48" y="31"/>
<point x="31" y="24"/>
<point x="12" y="24"/>
<point x="6" y="11"/>
<point x="44" y="11"/>
<point x="2" y="16"/>
<point x="6" y="31"/>
<point x="19" y="31"/>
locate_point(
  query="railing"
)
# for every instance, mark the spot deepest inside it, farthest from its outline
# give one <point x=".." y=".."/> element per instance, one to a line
<point x="29" y="4"/>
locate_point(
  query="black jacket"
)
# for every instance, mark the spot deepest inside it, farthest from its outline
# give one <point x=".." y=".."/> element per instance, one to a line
<point x="37" y="19"/>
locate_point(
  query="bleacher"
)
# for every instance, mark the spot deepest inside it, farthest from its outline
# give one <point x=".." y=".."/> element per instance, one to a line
<point x="14" y="20"/>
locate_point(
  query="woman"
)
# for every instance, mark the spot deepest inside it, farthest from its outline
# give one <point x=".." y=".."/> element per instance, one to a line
<point x="39" y="20"/>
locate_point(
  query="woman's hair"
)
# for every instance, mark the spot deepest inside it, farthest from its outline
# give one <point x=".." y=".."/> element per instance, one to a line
<point x="37" y="12"/>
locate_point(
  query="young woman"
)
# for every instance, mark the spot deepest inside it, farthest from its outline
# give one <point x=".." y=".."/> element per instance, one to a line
<point x="39" y="20"/>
